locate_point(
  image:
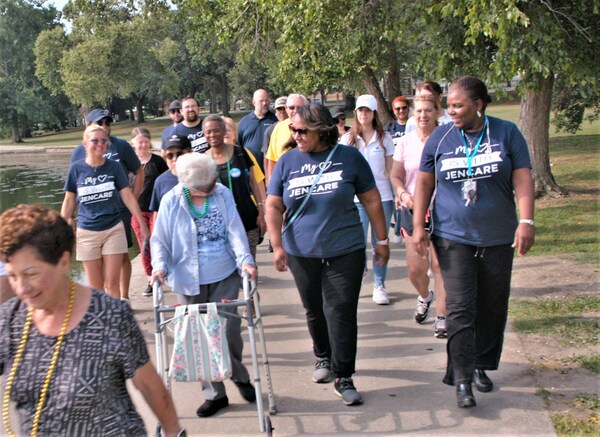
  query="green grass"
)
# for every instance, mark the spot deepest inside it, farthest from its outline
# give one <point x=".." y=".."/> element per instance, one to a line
<point x="567" y="425"/>
<point x="591" y="363"/>
<point x="572" y="320"/>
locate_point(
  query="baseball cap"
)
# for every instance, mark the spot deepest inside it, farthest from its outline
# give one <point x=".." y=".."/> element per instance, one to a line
<point x="280" y="102"/>
<point x="366" y="101"/>
<point x="95" y="115"/>
<point x="175" y="104"/>
<point x="177" y="141"/>
<point x="336" y="111"/>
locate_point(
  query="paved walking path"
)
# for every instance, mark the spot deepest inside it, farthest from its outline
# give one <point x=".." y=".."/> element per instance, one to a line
<point x="399" y="370"/>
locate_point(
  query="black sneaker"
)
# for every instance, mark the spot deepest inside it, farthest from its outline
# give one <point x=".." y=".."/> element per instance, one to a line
<point x="422" y="311"/>
<point x="344" y="388"/>
<point x="209" y="408"/>
<point x="246" y="390"/>
<point x="148" y="291"/>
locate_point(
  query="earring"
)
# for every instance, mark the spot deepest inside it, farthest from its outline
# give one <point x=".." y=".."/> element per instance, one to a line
<point x="478" y="114"/>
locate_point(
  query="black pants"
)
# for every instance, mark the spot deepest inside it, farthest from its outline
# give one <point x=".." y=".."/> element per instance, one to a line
<point x="477" y="282"/>
<point x="329" y="290"/>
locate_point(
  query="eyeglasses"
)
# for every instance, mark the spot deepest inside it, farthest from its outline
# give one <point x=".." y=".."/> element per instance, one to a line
<point x="190" y="107"/>
<point x="302" y="132"/>
<point x="174" y="111"/>
<point x="104" y="122"/>
<point x="99" y="141"/>
<point x="292" y="108"/>
<point x="174" y="155"/>
<point x="400" y="108"/>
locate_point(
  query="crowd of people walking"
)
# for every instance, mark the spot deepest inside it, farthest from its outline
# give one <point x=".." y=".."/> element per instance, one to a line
<point x="325" y="193"/>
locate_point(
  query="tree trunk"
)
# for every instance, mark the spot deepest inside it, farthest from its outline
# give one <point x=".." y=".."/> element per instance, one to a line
<point x="372" y="86"/>
<point x="393" y="88"/>
<point x="14" y="128"/>
<point x="140" y="109"/>
<point x="225" y="94"/>
<point x="534" y="121"/>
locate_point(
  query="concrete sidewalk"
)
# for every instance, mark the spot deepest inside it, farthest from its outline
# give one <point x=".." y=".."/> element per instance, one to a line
<point x="399" y="370"/>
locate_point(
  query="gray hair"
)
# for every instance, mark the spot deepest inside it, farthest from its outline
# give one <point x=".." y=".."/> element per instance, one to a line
<point x="214" y="117"/>
<point x="195" y="170"/>
<point x="295" y="96"/>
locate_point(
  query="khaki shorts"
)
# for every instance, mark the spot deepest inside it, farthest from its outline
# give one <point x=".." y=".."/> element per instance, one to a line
<point x="91" y="245"/>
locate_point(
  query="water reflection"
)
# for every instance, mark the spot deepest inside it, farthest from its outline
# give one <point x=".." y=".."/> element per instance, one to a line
<point x="38" y="178"/>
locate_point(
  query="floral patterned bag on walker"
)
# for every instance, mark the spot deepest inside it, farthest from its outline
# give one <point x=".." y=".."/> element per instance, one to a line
<point x="200" y="351"/>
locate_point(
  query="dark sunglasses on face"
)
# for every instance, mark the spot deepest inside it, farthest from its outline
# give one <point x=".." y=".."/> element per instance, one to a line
<point x="99" y="140"/>
<point x="174" y="155"/>
<point x="293" y="131"/>
<point x="400" y="108"/>
<point x="174" y="111"/>
<point x="104" y="122"/>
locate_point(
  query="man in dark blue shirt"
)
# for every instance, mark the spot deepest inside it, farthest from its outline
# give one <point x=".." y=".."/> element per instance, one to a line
<point x="252" y="127"/>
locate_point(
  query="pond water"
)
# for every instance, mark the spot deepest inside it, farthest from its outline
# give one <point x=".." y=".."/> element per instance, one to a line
<point x="37" y="178"/>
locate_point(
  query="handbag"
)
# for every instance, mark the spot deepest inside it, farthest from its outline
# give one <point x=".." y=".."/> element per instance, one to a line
<point x="200" y="350"/>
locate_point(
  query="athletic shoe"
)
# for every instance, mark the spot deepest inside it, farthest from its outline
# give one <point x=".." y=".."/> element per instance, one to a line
<point x="148" y="291"/>
<point x="422" y="311"/>
<point x="344" y="388"/>
<point x="380" y="295"/>
<point x="322" y="371"/>
<point x="439" y="328"/>
<point x="397" y="239"/>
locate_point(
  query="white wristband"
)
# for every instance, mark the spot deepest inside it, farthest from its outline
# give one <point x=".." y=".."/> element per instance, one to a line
<point x="385" y="242"/>
<point x="527" y="221"/>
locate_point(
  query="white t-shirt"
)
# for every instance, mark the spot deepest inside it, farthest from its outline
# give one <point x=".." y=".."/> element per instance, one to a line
<point x="411" y="124"/>
<point x="408" y="151"/>
<point x="375" y="156"/>
<point x="2" y="269"/>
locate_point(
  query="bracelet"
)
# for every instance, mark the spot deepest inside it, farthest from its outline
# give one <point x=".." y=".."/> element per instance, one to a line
<point x="401" y="194"/>
<point x="261" y="203"/>
<point x="383" y="242"/>
<point x="527" y="221"/>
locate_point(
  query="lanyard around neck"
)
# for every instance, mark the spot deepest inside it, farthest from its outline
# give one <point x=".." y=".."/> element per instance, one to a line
<point x="470" y="152"/>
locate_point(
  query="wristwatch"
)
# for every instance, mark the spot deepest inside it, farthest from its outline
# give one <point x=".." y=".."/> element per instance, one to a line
<point x="527" y="221"/>
<point x="385" y="242"/>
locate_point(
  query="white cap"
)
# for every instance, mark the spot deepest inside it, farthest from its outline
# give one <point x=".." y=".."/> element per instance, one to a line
<point x="366" y="101"/>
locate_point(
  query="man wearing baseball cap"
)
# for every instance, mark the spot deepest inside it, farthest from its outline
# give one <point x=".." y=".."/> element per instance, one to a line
<point x="173" y="148"/>
<point x="121" y="151"/>
<point x="176" y="117"/>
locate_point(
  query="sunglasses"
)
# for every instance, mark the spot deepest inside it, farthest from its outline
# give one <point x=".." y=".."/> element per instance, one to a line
<point x="174" y="111"/>
<point x="174" y="155"/>
<point x="104" y="122"/>
<point x="291" y="108"/>
<point x="302" y="132"/>
<point x="341" y="117"/>
<point x="400" y="108"/>
<point x="99" y="141"/>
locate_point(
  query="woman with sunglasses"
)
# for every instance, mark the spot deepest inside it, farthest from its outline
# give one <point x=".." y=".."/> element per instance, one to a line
<point x="199" y="247"/>
<point x="154" y="166"/>
<point x="93" y="187"/>
<point x="397" y="128"/>
<point x="322" y="241"/>
<point x="376" y="145"/>
<point x="407" y="158"/>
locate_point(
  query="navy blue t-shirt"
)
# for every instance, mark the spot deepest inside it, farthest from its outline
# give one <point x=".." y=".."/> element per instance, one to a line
<point x="162" y="186"/>
<point x="195" y="135"/>
<point x="329" y="224"/>
<point x="166" y="134"/>
<point x="491" y="220"/>
<point x="120" y="151"/>
<point x="251" y="131"/>
<point x="396" y="130"/>
<point x="97" y="193"/>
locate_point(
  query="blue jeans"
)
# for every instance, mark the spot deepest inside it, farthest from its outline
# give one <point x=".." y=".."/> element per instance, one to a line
<point x="379" y="272"/>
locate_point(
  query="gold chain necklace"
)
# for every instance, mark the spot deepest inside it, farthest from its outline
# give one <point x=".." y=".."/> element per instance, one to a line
<point x="47" y="379"/>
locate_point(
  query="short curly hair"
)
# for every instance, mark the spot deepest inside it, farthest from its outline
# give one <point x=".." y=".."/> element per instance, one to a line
<point x="36" y="226"/>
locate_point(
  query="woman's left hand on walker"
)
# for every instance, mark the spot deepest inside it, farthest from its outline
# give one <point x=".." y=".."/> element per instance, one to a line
<point x="524" y="238"/>
<point x="382" y="254"/>
<point x="251" y="270"/>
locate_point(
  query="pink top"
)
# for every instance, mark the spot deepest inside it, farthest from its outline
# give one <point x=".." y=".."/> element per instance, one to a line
<point x="408" y="151"/>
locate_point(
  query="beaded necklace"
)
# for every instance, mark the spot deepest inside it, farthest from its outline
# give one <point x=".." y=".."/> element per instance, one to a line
<point x="195" y="213"/>
<point x="49" y="373"/>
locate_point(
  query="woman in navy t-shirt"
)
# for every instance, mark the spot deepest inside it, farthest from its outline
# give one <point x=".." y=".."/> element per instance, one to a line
<point x="96" y="186"/>
<point x="323" y="241"/>
<point x="477" y="164"/>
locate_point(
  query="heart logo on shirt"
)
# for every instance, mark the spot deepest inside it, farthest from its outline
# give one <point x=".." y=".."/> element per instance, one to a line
<point x="322" y="164"/>
<point x="102" y="178"/>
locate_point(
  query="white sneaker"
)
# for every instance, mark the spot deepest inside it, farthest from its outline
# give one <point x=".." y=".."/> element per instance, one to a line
<point x="380" y="296"/>
<point x="397" y="239"/>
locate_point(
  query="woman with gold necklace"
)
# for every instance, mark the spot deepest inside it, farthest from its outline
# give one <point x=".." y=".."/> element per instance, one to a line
<point x="67" y="349"/>
<point x="235" y="171"/>
<point x="405" y="170"/>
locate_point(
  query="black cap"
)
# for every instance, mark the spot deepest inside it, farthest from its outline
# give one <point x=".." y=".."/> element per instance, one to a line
<point x="177" y="141"/>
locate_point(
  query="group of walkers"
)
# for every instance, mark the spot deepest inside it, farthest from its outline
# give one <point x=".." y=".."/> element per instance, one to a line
<point x="449" y="177"/>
